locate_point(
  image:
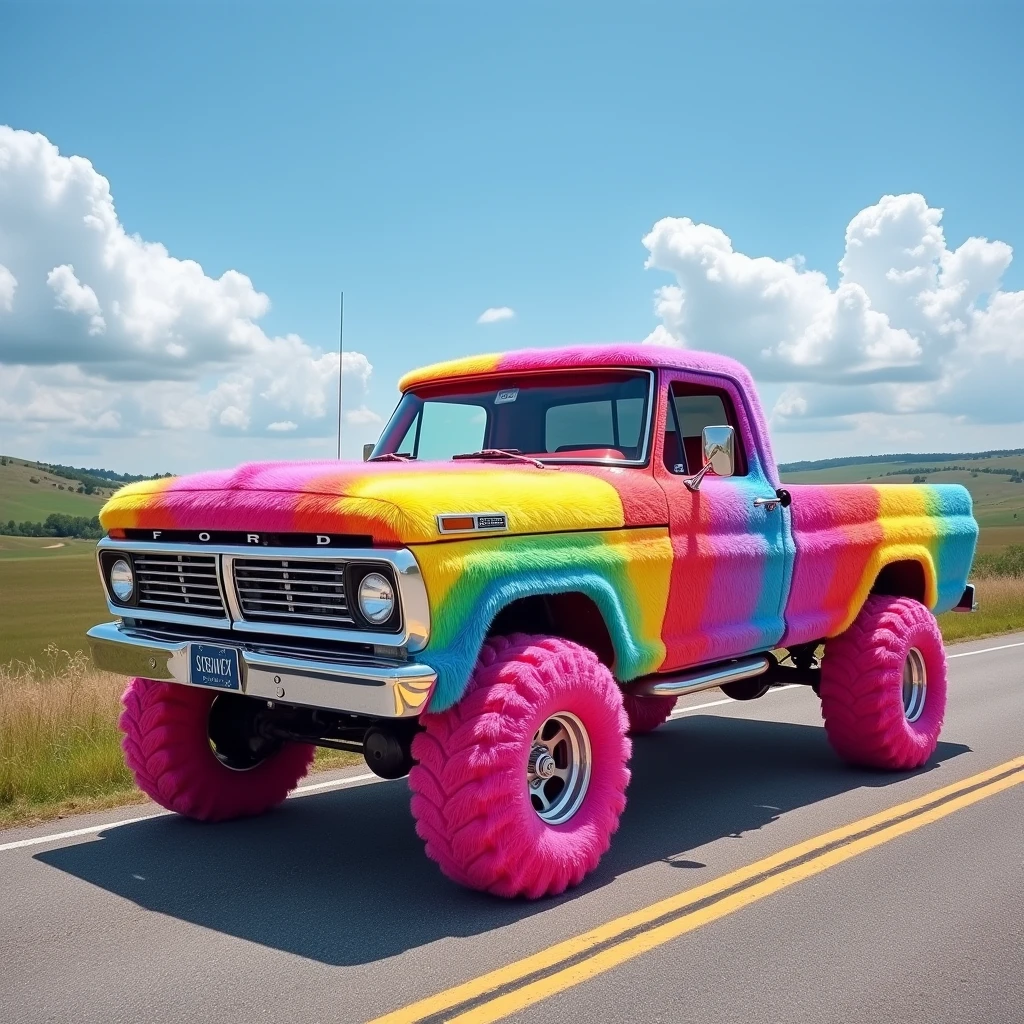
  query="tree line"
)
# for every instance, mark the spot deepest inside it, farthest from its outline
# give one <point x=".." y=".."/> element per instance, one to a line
<point x="56" y="524"/>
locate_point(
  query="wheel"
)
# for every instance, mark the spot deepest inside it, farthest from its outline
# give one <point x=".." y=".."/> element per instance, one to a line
<point x="198" y="753"/>
<point x="883" y="685"/>
<point x="645" y="714"/>
<point x="518" y="789"/>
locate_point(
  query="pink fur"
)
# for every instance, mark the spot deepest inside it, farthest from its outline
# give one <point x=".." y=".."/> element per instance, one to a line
<point x="167" y="748"/>
<point x="862" y="686"/>
<point x="470" y="796"/>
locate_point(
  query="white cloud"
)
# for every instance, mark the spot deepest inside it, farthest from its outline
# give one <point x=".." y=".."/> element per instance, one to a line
<point x="77" y="298"/>
<point x="362" y="417"/>
<point x="104" y="333"/>
<point x="494" y="314"/>
<point x="8" y="286"/>
<point x="920" y="327"/>
<point x="282" y="426"/>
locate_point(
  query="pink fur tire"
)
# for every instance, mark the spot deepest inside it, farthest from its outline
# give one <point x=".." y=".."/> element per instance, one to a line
<point x="883" y="685"/>
<point x="519" y="787"/>
<point x="167" y="746"/>
<point x="645" y="714"/>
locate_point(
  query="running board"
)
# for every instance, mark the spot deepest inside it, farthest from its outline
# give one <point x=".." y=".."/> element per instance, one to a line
<point x="706" y="678"/>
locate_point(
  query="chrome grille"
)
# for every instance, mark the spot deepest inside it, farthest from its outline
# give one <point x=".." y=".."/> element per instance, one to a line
<point x="179" y="583"/>
<point x="283" y="590"/>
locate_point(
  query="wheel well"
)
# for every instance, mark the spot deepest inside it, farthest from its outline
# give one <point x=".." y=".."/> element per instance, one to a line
<point x="572" y="616"/>
<point x="901" y="579"/>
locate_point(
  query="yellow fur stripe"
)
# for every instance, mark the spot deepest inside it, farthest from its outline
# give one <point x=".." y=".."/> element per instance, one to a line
<point x="465" y="367"/>
<point x="534" y="501"/>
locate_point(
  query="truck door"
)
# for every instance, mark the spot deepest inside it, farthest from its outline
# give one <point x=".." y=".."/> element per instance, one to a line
<point x="732" y="558"/>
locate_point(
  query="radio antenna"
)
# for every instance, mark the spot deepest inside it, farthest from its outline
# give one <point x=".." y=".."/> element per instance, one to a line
<point x="341" y="361"/>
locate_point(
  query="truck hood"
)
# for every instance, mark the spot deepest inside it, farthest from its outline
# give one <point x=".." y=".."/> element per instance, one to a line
<point x="390" y="502"/>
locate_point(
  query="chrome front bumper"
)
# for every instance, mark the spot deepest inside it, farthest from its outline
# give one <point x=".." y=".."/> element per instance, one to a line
<point x="378" y="688"/>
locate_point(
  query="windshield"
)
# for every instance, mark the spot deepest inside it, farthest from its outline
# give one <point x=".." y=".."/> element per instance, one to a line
<point x="584" y="415"/>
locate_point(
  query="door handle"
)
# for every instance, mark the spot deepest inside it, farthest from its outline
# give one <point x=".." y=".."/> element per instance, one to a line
<point x="781" y="497"/>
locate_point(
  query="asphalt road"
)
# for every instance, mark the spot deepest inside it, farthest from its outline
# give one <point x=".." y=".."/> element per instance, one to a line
<point x="327" y="910"/>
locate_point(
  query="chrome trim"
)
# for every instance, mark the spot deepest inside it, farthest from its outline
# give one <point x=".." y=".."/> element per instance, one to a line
<point x="652" y="401"/>
<point x="915" y="685"/>
<point x="476" y="517"/>
<point x="675" y="684"/>
<point x="275" y="572"/>
<point x="415" y="607"/>
<point x="375" y="687"/>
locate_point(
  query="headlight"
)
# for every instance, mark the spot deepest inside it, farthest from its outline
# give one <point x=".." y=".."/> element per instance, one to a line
<point x="122" y="581"/>
<point x="376" y="598"/>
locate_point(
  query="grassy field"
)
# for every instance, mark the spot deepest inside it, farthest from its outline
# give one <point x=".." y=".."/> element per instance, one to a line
<point x="1000" y="610"/>
<point x="49" y="596"/>
<point x="20" y="499"/>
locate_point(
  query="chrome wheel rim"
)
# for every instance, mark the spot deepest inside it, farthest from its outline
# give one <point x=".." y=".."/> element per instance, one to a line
<point x="558" y="768"/>
<point x="915" y="685"/>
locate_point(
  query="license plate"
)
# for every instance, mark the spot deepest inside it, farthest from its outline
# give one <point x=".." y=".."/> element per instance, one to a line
<point x="213" y="666"/>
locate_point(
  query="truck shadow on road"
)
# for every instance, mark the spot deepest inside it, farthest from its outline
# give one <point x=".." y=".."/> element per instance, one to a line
<point x="341" y="877"/>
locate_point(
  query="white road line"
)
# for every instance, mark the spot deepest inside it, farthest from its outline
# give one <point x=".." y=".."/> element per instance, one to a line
<point x="729" y="700"/>
<point x="38" y="840"/>
<point x="967" y="654"/>
<point x="347" y="781"/>
<point x="93" y="829"/>
<point x="370" y="777"/>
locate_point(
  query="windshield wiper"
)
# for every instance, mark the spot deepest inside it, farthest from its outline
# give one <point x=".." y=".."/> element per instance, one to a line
<point x="504" y="453"/>
<point x="390" y="457"/>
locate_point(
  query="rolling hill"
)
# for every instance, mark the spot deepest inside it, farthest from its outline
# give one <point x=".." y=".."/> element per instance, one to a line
<point x="30" y="493"/>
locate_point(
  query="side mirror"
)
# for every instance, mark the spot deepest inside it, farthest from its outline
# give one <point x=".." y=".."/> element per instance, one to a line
<point x="368" y="450"/>
<point x="720" y="450"/>
<point x="719" y="454"/>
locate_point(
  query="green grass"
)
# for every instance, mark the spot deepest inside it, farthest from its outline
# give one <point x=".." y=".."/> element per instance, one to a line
<point x="48" y="596"/>
<point x="21" y="500"/>
<point x="1000" y="610"/>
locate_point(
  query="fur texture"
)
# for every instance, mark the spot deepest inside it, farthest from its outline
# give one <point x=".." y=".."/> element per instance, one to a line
<point x="625" y="573"/>
<point x="846" y="534"/>
<point x="470" y="796"/>
<point x="695" y="576"/>
<point x="167" y="748"/>
<point x="862" y="686"/>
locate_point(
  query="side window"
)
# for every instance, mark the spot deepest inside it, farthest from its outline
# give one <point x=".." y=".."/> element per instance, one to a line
<point x="693" y="408"/>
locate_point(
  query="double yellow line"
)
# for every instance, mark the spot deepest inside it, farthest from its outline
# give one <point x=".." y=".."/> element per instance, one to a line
<point x="500" y="993"/>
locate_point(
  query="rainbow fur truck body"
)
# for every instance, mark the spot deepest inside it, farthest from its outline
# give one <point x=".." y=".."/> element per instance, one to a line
<point x="609" y="544"/>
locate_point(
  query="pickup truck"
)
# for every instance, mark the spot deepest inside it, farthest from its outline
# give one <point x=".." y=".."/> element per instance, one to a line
<point x="543" y="551"/>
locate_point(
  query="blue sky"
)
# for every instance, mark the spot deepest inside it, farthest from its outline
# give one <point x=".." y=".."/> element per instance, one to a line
<point x="438" y="159"/>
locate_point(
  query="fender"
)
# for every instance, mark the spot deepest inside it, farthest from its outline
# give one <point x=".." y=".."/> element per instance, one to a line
<point x="624" y="572"/>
